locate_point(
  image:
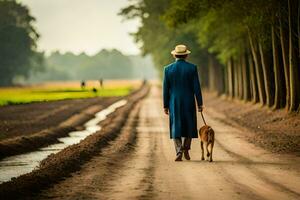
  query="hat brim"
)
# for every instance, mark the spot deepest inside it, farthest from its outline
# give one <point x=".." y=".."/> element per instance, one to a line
<point x="181" y="53"/>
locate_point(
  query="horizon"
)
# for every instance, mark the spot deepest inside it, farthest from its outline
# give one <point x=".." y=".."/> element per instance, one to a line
<point x="91" y="55"/>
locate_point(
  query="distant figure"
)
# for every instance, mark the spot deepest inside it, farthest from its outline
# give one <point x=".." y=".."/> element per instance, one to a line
<point x="101" y="82"/>
<point x="180" y="87"/>
<point x="82" y="84"/>
<point x="94" y="90"/>
<point x="144" y="81"/>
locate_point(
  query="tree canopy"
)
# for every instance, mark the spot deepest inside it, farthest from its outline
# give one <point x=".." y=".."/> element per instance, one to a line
<point x="18" y="54"/>
<point x="245" y="49"/>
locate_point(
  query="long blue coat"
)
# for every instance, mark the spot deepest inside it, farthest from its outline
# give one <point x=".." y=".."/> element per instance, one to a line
<point x="180" y="87"/>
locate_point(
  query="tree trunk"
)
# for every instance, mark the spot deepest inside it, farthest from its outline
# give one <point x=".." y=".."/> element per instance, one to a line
<point x="298" y="25"/>
<point x="267" y="74"/>
<point x="293" y="60"/>
<point x="226" y="81"/>
<point x="211" y="74"/>
<point x="218" y="80"/>
<point x="285" y="59"/>
<point x="253" y="80"/>
<point x="240" y="78"/>
<point x="203" y="72"/>
<point x="221" y="81"/>
<point x="298" y="54"/>
<point x="279" y="98"/>
<point x="230" y="78"/>
<point x="298" y="32"/>
<point x="236" y="81"/>
<point x="258" y="70"/>
<point x="246" y="78"/>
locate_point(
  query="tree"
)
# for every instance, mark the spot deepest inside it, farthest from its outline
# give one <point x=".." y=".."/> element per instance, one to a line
<point x="251" y="45"/>
<point x="293" y="54"/>
<point x="157" y="39"/>
<point x="18" y="55"/>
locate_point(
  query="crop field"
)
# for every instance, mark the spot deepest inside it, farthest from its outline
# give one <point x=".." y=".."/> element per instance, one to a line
<point x="64" y="90"/>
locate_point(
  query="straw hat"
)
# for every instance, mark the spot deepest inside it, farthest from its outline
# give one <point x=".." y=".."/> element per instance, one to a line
<point x="180" y="50"/>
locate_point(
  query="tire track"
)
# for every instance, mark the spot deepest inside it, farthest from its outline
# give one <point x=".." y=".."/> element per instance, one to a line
<point x="134" y="180"/>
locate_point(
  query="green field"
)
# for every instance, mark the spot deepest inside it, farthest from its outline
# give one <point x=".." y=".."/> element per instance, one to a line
<point x="11" y="96"/>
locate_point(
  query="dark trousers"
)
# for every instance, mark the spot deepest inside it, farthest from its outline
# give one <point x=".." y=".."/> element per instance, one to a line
<point x="180" y="147"/>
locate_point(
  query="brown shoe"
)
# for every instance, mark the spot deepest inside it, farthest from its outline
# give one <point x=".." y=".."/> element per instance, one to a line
<point x="186" y="155"/>
<point x="179" y="157"/>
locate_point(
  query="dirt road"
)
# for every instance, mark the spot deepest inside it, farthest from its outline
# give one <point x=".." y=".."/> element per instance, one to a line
<point x="145" y="168"/>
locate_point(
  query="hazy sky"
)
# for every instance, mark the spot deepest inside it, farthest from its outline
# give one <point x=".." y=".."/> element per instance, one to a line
<point x="82" y="25"/>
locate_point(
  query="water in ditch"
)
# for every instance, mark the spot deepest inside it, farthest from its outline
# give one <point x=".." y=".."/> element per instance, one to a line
<point x="17" y="165"/>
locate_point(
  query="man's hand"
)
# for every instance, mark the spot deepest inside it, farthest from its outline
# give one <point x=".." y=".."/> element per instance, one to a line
<point x="200" y="108"/>
<point x="166" y="110"/>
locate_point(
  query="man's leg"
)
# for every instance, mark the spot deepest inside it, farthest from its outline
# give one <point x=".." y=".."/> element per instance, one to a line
<point x="187" y="143"/>
<point x="178" y="148"/>
<point x="186" y="147"/>
<point x="178" y="145"/>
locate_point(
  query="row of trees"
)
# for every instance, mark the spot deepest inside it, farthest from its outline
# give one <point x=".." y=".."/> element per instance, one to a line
<point x="157" y="40"/>
<point x="245" y="49"/>
<point x="106" y="64"/>
<point x="18" y="54"/>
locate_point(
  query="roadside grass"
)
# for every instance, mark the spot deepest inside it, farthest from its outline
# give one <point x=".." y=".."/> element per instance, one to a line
<point x="12" y="96"/>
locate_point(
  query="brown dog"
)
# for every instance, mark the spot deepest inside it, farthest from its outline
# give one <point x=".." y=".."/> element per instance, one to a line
<point x="207" y="136"/>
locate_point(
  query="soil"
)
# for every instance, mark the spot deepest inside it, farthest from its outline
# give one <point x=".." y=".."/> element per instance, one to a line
<point x="60" y="165"/>
<point x="139" y="164"/>
<point x="275" y="130"/>
<point x="28" y="119"/>
<point x="132" y="157"/>
<point x="28" y="127"/>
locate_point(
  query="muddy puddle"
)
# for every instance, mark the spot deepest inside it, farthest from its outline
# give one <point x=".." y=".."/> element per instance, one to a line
<point x="17" y="165"/>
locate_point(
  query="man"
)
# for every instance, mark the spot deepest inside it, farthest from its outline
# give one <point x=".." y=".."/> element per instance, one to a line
<point x="180" y="87"/>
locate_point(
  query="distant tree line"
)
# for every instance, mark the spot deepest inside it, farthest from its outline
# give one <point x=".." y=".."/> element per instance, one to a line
<point x="245" y="49"/>
<point x="18" y="54"/>
<point x="106" y="64"/>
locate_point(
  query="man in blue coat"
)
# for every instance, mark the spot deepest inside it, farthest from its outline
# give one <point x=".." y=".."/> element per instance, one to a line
<point x="180" y="87"/>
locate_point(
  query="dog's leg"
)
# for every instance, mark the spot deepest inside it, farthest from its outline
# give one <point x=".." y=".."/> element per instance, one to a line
<point x="207" y="150"/>
<point x="202" y="151"/>
<point x="211" y="151"/>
